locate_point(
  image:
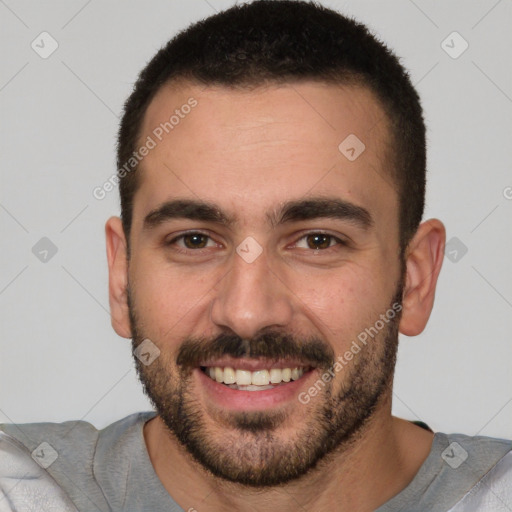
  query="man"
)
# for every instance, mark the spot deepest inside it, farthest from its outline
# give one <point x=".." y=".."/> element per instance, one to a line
<point x="270" y="249"/>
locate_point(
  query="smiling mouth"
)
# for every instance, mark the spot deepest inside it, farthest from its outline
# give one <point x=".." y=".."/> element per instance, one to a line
<point x="258" y="380"/>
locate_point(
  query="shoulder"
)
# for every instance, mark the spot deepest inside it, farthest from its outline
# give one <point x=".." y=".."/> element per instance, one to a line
<point x="25" y="481"/>
<point x="478" y="469"/>
<point x="457" y="467"/>
<point x="492" y="492"/>
<point x="69" y="439"/>
<point x="32" y="434"/>
<point x="60" y="456"/>
<point x="472" y="453"/>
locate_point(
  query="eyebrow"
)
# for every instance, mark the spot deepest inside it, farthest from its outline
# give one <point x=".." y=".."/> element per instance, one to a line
<point x="291" y="211"/>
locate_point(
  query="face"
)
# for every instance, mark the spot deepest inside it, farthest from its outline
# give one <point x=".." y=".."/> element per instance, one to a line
<point x="264" y="266"/>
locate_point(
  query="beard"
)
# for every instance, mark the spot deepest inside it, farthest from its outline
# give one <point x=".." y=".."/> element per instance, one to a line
<point x="262" y="448"/>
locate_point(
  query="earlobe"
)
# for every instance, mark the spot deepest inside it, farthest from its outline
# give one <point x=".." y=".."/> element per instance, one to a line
<point x="424" y="258"/>
<point x="118" y="276"/>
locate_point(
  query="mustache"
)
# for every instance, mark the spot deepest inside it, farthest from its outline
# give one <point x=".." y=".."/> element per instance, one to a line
<point x="272" y="346"/>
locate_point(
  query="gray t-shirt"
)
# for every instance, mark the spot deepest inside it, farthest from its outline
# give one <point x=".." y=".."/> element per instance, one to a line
<point x="72" y="466"/>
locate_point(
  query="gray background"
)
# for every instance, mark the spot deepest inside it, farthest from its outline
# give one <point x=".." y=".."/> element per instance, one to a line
<point x="60" y="358"/>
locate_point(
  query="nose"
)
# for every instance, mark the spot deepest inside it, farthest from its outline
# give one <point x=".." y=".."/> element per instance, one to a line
<point x="251" y="297"/>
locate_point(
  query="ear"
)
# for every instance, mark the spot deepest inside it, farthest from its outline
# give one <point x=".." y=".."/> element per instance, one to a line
<point x="424" y="258"/>
<point x="117" y="276"/>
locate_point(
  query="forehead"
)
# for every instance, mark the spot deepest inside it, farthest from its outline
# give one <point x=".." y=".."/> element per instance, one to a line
<point x="254" y="148"/>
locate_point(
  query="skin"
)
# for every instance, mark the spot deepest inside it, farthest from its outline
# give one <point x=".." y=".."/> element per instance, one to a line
<point x="249" y="152"/>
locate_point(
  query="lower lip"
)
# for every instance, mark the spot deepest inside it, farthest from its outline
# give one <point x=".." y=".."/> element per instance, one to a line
<point x="238" y="400"/>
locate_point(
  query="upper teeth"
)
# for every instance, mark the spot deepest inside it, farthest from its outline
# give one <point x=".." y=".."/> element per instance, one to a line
<point x="229" y="375"/>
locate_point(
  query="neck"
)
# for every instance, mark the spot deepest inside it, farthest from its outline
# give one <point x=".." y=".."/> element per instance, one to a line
<point x="374" y="466"/>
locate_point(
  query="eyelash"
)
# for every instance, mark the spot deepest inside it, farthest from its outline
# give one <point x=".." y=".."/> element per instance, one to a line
<point x="172" y="242"/>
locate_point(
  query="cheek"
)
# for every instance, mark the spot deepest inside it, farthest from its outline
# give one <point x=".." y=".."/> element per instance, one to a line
<point x="345" y="290"/>
<point x="167" y="300"/>
<point x="342" y="306"/>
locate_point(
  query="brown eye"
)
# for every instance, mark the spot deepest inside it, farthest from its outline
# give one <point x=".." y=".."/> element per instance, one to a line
<point x="192" y="240"/>
<point x="318" y="241"/>
<point x="195" y="241"/>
